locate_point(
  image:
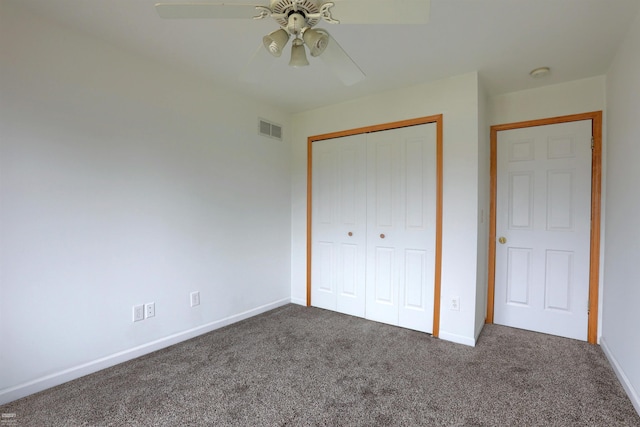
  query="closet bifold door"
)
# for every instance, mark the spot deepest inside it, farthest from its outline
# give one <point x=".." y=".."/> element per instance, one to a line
<point x="339" y="224"/>
<point x="374" y="225"/>
<point x="401" y="222"/>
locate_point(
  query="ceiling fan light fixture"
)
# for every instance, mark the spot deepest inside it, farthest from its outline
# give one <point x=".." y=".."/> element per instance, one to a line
<point x="276" y="41"/>
<point x="317" y="41"/>
<point x="298" y="54"/>
<point x="296" y="23"/>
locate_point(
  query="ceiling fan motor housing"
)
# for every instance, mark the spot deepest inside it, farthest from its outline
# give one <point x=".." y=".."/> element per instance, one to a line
<point x="286" y="8"/>
<point x="296" y="24"/>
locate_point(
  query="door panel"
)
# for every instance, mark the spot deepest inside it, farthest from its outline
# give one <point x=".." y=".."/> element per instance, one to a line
<point x="349" y="185"/>
<point x="386" y="184"/>
<point x="383" y="197"/>
<point x="518" y="276"/>
<point x="401" y="200"/>
<point x="339" y="224"/>
<point x="543" y="211"/>
<point x="348" y="271"/>
<point x="383" y="282"/>
<point x="558" y="269"/>
<point x="559" y="200"/>
<point x="415" y="279"/>
<point x="325" y="274"/>
<point x="521" y="200"/>
<point x="414" y="166"/>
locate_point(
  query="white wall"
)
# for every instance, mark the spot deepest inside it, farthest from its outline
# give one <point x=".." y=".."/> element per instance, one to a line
<point x="457" y="99"/>
<point x="575" y="97"/>
<point x="484" y="164"/>
<point x="578" y="96"/>
<point x="124" y="183"/>
<point x="621" y="317"/>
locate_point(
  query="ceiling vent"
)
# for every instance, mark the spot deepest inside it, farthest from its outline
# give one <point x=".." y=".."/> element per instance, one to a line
<point x="269" y="129"/>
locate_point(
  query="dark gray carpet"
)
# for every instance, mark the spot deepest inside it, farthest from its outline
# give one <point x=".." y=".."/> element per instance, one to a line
<point x="298" y="366"/>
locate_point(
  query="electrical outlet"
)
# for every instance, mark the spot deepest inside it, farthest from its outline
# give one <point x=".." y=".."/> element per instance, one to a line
<point x="454" y="304"/>
<point x="138" y="313"/>
<point x="195" y="298"/>
<point x="149" y="310"/>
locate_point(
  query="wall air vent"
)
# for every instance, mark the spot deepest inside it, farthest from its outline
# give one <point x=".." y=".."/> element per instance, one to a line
<point x="269" y="129"/>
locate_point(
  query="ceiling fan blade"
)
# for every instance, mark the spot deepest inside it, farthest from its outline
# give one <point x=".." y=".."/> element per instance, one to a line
<point x="206" y="10"/>
<point x="381" y="11"/>
<point x="257" y="66"/>
<point x="340" y="63"/>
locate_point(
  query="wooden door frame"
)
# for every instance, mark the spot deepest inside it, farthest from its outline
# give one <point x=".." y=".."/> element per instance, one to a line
<point x="596" y="191"/>
<point x="437" y="119"/>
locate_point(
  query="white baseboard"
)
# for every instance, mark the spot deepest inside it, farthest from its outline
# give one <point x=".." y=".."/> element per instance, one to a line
<point x="40" y="384"/>
<point x="624" y="380"/>
<point x="443" y="335"/>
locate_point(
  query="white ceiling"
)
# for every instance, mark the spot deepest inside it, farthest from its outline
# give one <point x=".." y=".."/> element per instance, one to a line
<point x="502" y="39"/>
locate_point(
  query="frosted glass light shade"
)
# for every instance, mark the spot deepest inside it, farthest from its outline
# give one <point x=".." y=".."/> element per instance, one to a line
<point x="298" y="54"/>
<point x="276" y="41"/>
<point x="316" y="41"/>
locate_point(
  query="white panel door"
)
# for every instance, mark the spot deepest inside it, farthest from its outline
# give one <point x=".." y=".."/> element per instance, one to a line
<point x="339" y="224"/>
<point x="401" y="199"/>
<point x="543" y="212"/>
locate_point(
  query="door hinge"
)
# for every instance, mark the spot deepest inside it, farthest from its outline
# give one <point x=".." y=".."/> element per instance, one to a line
<point x="593" y="143"/>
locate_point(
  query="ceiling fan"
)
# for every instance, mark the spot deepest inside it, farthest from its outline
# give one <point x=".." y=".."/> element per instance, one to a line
<point x="298" y="18"/>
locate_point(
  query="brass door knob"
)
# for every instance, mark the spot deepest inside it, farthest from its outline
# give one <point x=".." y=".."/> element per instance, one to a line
<point x="350" y="234"/>
<point x="382" y="236"/>
<point x="502" y="240"/>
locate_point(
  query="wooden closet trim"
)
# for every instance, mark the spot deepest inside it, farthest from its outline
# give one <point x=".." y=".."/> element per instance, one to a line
<point x="437" y="119"/>
<point x="596" y="194"/>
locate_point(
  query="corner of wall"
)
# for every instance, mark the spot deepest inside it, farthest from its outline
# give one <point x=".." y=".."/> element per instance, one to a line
<point x="633" y="394"/>
<point x="458" y="339"/>
<point x="483" y="207"/>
